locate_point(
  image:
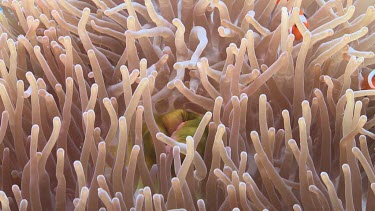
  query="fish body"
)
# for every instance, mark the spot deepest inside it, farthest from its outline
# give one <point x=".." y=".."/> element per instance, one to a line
<point x="177" y="124"/>
<point x="369" y="81"/>
<point x="294" y="30"/>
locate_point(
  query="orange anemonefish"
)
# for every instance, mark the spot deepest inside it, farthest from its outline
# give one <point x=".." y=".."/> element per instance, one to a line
<point x="294" y="29"/>
<point x="370" y="82"/>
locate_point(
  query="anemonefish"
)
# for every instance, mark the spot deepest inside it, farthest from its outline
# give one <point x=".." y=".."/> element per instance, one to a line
<point x="370" y="82"/>
<point x="177" y="124"/>
<point x="294" y="29"/>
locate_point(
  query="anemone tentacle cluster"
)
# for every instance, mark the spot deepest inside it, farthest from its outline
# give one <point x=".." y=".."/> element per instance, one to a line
<point x="285" y="123"/>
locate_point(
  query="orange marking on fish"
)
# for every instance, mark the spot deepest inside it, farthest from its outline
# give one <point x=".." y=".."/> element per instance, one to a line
<point x="294" y="29"/>
<point x="296" y="32"/>
<point x="369" y="83"/>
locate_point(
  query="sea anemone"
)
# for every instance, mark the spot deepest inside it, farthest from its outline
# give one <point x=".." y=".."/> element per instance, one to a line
<point x="96" y="99"/>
